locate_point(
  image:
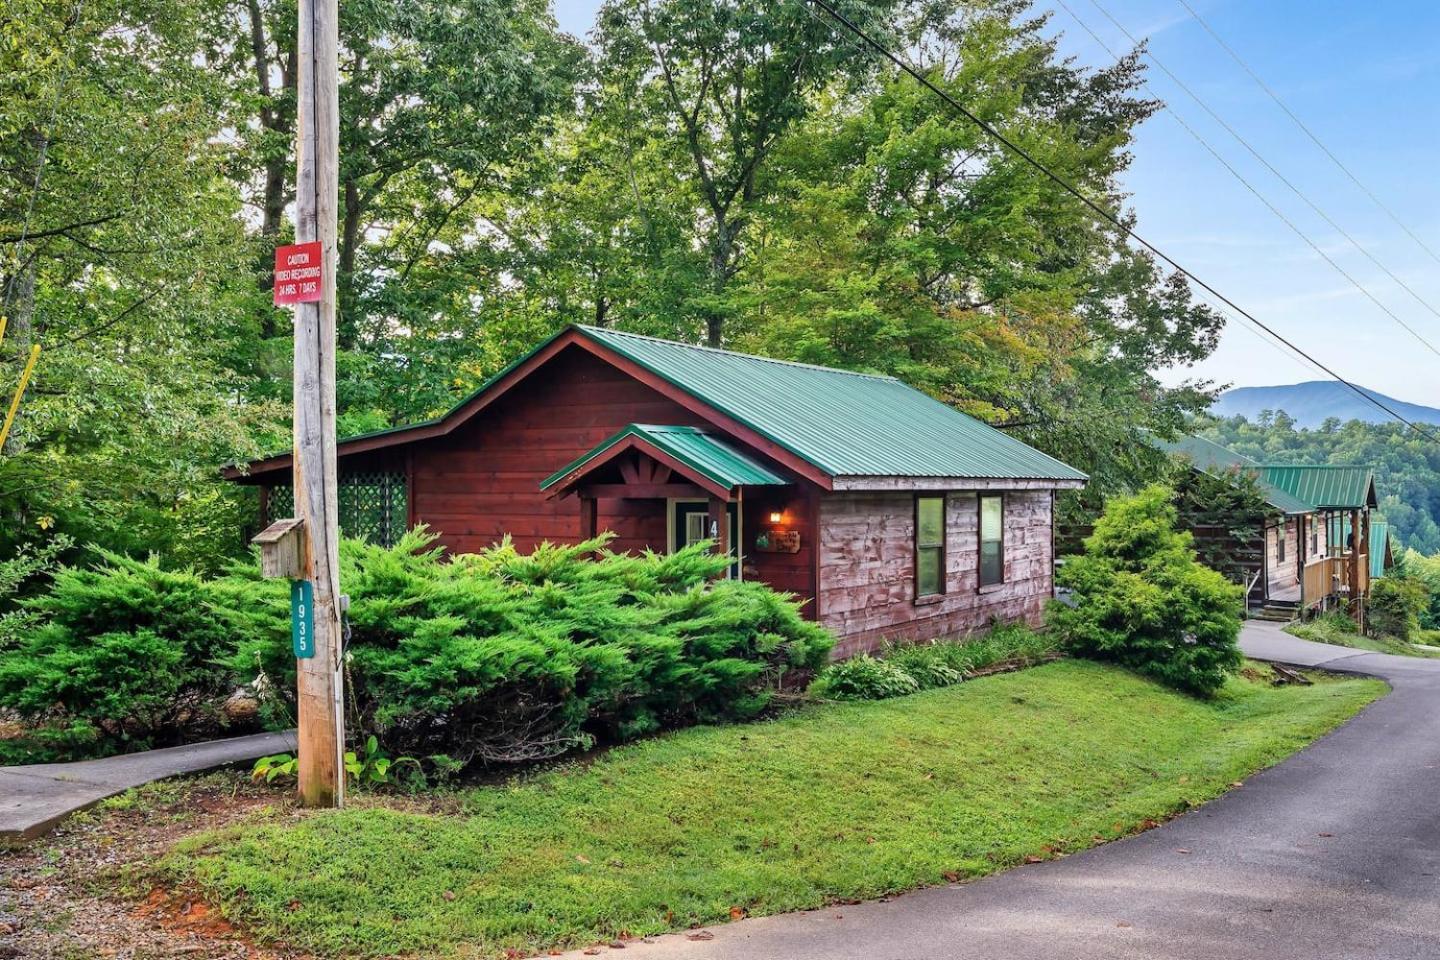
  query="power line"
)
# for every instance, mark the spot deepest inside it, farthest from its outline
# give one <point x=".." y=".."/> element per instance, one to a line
<point x="1245" y="325"/>
<point x="1245" y="182"/>
<point x="1309" y="133"/>
<point x="1295" y="190"/>
<point x="1181" y="121"/>
<point x="1106" y="215"/>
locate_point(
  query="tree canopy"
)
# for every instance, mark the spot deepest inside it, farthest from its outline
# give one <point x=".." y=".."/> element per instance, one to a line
<point x="728" y="171"/>
<point x="1406" y="465"/>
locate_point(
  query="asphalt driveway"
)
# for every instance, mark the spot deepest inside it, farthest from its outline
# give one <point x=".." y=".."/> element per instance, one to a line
<point x="1334" y="853"/>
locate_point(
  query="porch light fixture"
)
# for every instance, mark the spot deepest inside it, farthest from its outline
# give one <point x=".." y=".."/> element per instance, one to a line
<point x="776" y="517"/>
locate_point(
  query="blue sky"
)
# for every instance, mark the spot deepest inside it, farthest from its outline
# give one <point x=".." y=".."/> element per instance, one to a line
<point x="1365" y="77"/>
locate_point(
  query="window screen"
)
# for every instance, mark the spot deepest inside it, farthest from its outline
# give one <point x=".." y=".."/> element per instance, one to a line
<point x="929" y="546"/>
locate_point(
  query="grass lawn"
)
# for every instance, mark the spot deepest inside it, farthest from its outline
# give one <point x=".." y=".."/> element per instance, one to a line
<point x="1340" y="630"/>
<point x="833" y="802"/>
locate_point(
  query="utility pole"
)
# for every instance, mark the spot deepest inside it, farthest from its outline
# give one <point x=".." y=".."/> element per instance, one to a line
<point x="319" y="677"/>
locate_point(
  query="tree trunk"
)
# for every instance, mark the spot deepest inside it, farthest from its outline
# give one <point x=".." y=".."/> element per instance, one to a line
<point x="722" y="252"/>
<point x="277" y="165"/>
<point x="349" y="241"/>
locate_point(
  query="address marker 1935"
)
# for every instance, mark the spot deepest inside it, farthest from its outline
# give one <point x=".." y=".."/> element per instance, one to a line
<point x="302" y="618"/>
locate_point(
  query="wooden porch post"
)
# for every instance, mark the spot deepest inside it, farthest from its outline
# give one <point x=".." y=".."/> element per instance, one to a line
<point x="720" y="523"/>
<point x="588" y="517"/>
<point x="1354" y="546"/>
<point x="1301" y="547"/>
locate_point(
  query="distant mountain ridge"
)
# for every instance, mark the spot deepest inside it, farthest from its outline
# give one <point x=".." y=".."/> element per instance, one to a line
<point x="1310" y="404"/>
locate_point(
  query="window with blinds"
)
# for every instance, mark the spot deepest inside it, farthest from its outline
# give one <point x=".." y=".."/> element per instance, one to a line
<point x="992" y="539"/>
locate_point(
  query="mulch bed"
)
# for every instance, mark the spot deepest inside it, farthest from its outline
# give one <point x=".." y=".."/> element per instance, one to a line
<point x="58" y="895"/>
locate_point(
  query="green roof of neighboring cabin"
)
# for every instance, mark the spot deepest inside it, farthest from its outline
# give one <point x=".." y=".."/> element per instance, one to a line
<point x="1205" y="454"/>
<point x="1323" y="485"/>
<point x="692" y="446"/>
<point x="845" y="423"/>
<point x="1210" y="457"/>
<point x="1379" y="538"/>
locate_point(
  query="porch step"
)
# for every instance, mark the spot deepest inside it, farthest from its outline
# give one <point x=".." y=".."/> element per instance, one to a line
<point x="1275" y="612"/>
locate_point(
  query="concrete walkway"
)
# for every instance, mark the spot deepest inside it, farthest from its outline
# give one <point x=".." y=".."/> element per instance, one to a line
<point x="33" y="799"/>
<point x="1333" y="854"/>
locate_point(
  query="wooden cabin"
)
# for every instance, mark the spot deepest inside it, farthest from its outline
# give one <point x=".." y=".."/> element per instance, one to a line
<point x="1307" y="558"/>
<point x="892" y="515"/>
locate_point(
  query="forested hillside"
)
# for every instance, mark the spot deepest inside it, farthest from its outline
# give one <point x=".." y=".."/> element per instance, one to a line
<point x="1407" y="467"/>
<point x="730" y="172"/>
<point x="1311" y="403"/>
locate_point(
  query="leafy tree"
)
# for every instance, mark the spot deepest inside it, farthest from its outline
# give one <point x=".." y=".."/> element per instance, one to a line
<point x="1141" y="599"/>
<point x="900" y="238"/>
<point x="1426" y="569"/>
<point x="118" y="238"/>
<point x="721" y="83"/>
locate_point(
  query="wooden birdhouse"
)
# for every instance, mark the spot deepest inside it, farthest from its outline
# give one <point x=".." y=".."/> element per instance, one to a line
<point x="282" y="549"/>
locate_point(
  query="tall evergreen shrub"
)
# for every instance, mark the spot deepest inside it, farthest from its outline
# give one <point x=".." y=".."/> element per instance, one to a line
<point x="1141" y="598"/>
<point x="126" y="653"/>
<point x="503" y="656"/>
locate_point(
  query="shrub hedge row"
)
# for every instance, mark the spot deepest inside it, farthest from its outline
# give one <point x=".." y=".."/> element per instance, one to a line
<point x="497" y="656"/>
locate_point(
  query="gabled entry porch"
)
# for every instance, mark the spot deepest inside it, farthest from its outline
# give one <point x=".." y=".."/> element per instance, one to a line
<point x="697" y="479"/>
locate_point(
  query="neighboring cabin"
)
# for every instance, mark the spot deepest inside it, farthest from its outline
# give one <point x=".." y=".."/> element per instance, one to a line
<point x="1306" y="557"/>
<point x="892" y="515"/>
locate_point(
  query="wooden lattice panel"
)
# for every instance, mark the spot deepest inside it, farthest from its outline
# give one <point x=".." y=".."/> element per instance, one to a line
<point x="372" y="505"/>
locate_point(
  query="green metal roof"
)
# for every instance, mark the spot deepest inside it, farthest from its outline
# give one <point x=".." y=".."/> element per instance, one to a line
<point x="1210" y="457"/>
<point x="1323" y="485"/>
<point x="707" y="455"/>
<point x="1379" y="534"/>
<point x="1205" y="454"/>
<point x="845" y="423"/>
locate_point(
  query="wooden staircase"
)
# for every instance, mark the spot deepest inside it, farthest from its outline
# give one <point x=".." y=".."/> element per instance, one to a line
<point x="1276" y="611"/>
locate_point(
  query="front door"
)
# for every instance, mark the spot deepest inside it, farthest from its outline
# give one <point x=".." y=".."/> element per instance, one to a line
<point x="690" y="523"/>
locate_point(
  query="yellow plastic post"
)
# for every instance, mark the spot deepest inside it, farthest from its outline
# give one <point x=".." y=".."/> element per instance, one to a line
<point x="19" y="391"/>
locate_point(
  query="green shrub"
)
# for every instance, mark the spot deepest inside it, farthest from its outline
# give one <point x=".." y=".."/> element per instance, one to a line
<point x="1332" y="627"/>
<point x="496" y="656"/>
<point x="1395" y="606"/>
<point x="924" y="666"/>
<point x="501" y="656"/>
<point x="125" y="654"/>
<point x="19" y="574"/>
<point x="1142" y="600"/>
<point x="927" y="663"/>
<point x="864" y="677"/>
<point x="1010" y="643"/>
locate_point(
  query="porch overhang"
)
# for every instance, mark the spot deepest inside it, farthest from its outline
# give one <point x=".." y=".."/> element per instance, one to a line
<point x="701" y="461"/>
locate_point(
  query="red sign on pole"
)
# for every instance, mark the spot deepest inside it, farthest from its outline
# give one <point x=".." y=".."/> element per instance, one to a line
<point x="297" y="273"/>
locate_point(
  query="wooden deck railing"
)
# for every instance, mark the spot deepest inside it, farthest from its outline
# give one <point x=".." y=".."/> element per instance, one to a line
<point x="1330" y="576"/>
<point x="1316" y="584"/>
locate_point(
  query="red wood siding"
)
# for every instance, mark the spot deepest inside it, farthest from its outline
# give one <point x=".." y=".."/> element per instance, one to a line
<point x="791" y="572"/>
<point x="483" y="481"/>
<point x="867" y="575"/>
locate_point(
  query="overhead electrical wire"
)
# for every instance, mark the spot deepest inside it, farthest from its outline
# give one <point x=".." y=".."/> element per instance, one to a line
<point x="1245" y="182"/>
<point x="1310" y="133"/>
<point x="874" y="45"/>
<point x="1249" y="328"/>
<point x="1293" y="189"/>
